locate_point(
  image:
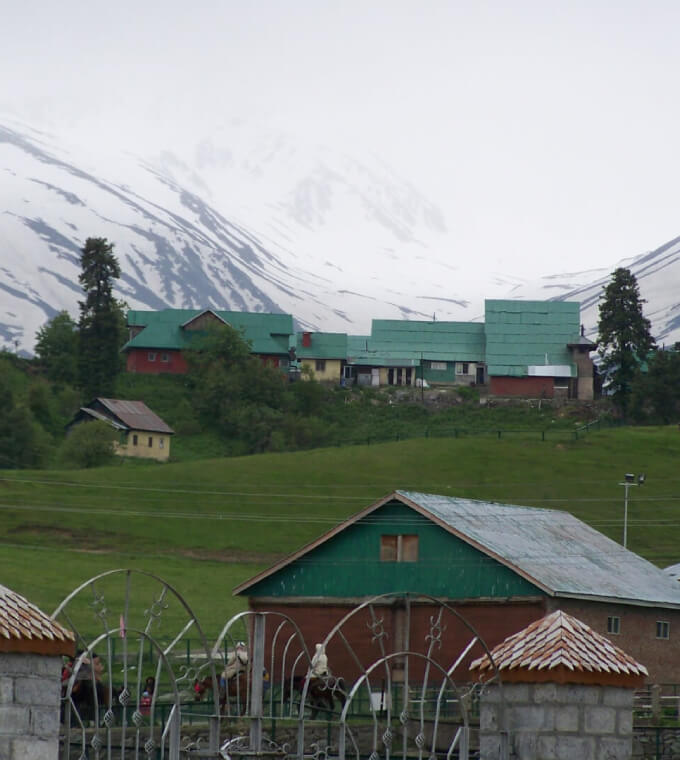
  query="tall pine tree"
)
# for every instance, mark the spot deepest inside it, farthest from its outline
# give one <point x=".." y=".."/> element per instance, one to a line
<point x="624" y="335"/>
<point x="101" y="325"/>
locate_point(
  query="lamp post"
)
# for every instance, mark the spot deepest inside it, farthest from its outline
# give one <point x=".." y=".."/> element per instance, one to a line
<point x="628" y="483"/>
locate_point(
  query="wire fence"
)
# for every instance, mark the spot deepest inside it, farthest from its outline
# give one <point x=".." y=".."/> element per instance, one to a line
<point x="543" y="434"/>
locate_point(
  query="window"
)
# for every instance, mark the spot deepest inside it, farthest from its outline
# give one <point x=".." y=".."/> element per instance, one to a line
<point x="150" y="441"/>
<point x="613" y="625"/>
<point x="165" y="358"/>
<point x="161" y="443"/>
<point x="398" y="548"/>
<point x="438" y="366"/>
<point x="134" y="439"/>
<point x="152" y="356"/>
<point x="320" y="365"/>
<point x="663" y="629"/>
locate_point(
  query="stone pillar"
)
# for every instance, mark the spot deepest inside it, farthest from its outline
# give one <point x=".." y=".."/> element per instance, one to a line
<point x="557" y="690"/>
<point x="31" y="649"/>
<point x="549" y="721"/>
<point x="30" y="691"/>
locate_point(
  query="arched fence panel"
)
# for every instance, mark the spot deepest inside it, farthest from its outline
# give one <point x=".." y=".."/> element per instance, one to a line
<point x="125" y="693"/>
<point x="388" y="680"/>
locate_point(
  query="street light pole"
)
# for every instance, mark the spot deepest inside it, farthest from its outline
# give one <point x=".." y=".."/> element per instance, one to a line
<point x="629" y="481"/>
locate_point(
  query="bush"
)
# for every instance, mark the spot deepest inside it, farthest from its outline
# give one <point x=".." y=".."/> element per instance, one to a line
<point x="89" y="444"/>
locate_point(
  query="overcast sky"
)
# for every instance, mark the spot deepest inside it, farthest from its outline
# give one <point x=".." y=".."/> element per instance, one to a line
<point x="547" y="132"/>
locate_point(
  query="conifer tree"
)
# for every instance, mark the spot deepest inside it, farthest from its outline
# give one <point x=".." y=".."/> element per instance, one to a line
<point x="624" y="335"/>
<point x="101" y="325"/>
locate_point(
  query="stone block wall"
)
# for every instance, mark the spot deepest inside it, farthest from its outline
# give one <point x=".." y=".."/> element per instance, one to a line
<point x="30" y="693"/>
<point x="551" y="721"/>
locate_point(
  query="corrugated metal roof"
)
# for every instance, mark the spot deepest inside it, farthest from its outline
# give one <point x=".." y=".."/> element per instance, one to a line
<point x="559" y="641"/>
<point x="554" y="550"/>
<point x="522" y="333"/>
<point x="268" y="333"/>
<point x="103" y="417"/>
<point x="136" y="415"/>
<point x="25" y="628"/>
<point x="323" y="346"/>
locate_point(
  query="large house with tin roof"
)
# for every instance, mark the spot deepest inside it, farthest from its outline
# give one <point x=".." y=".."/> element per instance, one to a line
<point x="501" y="566"/>
<point x="157" y="338"/>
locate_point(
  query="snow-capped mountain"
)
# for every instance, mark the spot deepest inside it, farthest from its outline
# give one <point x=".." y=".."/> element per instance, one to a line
<point x="251" y="219"/>
<point x="254" y="224"/>
<point x="658" y="276"/>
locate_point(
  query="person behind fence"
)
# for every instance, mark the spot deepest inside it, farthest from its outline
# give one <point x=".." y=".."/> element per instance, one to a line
<point x="319" y="667"/>
<point x="147" y="695"/>
<point x="237" y="661"/>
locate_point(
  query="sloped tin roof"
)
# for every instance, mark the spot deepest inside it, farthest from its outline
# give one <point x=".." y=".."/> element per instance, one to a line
<point x="559" y="641"/>
<point x="268" y="333"/>
<point x="523" y="333"/>
<point x="434" y="341"/>
<point x="136" y="415"/>
<point x="25" y="628"/>
<point x="323" y="346"/>
<point x="551" y="549"/>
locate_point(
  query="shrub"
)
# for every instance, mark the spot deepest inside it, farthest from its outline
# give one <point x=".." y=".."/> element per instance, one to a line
<point x="89" y="444"/>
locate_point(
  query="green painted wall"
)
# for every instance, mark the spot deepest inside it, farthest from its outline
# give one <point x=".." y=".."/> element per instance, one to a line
<point x="348" y="565"/>
<point x="447" y="375"/>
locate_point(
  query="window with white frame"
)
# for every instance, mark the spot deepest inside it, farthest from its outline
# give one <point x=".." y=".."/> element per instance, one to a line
<point x="161" y="443"/>
<point x="165" y="358"/>
<point x="438" y="366"/>
<point x="462" y="368"/>
<point x="663" y="629"/>
<point x="614" y="624"/>
<point x="152" y="356"/>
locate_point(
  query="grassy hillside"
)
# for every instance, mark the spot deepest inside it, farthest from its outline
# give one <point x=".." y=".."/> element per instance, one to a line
<point x="207" y="525"/>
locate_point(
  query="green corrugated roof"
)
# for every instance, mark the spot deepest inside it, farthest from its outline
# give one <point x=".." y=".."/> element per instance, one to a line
<point x="396" y="342"/>
<point x="323" y="346"/>
<point x="523" y="333"/>
<point x="268" y="333"/>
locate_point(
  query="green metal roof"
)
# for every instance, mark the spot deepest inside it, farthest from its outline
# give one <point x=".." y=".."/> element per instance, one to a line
<point x="395" y="342"/>
<point x="524" y="333"/>
<point x="268" y="333"/>
<point x="323" y="346"/>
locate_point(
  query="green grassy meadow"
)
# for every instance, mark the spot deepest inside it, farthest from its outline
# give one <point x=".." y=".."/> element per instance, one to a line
<point x="205" y="526"/>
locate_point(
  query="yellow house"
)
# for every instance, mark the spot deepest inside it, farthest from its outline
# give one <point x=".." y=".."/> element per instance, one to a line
<point x="143" y="433"/>
<point x="324" y="354"/>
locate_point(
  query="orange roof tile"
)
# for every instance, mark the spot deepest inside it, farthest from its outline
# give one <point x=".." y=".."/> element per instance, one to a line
<point x="25" y="628"/>
<point x="560" y="641"/>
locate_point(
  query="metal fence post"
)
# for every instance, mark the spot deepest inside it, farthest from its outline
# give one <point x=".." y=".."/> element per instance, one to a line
<point x="256" y="689"/>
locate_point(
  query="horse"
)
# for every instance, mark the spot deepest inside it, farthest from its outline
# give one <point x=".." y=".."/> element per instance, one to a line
<point x="322" y="692"/>
<point x="234" y="689"/>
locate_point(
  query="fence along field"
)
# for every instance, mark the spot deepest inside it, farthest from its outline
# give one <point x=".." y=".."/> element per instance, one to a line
<point x="206" y="526"/>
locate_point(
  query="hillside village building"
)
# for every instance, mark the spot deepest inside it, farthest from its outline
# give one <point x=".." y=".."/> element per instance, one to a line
<point x="533" y="349"/>
<point x="501" y="566"/>
<point x="157" y="338"/>
<point x="142" y="432"/>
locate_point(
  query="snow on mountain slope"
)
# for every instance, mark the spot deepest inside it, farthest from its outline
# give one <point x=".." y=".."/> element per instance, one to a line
<point x="657" y="273"/>
<point x="329" y="240"/>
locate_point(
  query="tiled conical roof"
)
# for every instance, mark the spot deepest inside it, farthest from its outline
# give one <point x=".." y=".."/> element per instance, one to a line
<point x="561" y="648"/>
<point x="25" y="628"/>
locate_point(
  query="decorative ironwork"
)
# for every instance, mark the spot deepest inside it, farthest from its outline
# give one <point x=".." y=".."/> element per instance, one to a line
<point x="397" y="697"/>
<point x="124" y="697"/>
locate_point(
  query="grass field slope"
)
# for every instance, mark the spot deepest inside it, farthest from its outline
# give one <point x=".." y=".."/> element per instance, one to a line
<point x="207" y="525"/>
